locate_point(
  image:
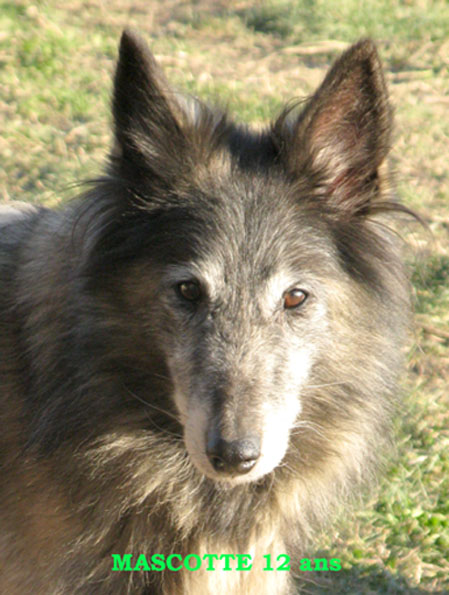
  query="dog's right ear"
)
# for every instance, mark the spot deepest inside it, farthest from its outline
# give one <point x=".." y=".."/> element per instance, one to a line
<point x="147" y="130"/>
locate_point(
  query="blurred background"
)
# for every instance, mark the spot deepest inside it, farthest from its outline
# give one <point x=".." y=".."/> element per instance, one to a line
<point x="56" y="63"/>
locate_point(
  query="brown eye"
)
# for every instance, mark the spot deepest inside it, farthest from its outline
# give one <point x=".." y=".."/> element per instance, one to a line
<point x="189" y="290"/>
<point x="294" y="298"/>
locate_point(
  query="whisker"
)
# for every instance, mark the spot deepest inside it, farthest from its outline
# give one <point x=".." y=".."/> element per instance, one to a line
<point x="151" y="420"/>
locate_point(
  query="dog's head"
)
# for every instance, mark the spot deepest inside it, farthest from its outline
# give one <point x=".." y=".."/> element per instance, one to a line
<point x="257" y="259"/>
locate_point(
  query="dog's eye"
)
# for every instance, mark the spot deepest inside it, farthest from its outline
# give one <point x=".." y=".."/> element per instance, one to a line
<point x="294" y="298"/>
<point x="189" y="290"/>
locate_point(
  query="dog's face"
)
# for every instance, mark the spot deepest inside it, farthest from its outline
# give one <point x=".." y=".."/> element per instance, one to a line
<point x="244" y="246"/>
<point x="241" y="322"/>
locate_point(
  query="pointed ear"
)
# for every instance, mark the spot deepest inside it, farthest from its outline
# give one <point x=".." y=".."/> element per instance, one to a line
<point x="343" y="134"/>
<point x="144" y="109"/>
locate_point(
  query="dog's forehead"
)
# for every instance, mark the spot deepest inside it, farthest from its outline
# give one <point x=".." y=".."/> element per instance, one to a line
<point x="264" y="259"/>
<point x="248" y="232"/>
<point x="266" y="231"/>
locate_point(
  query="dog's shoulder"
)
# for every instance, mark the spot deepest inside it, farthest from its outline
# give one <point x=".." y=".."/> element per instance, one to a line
<point x="15" y="221"/>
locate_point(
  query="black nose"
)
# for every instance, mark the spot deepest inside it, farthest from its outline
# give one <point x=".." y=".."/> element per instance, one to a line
<point x="235" y="457"/>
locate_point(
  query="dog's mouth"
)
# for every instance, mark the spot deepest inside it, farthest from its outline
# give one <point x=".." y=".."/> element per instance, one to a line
<point x="229" y="475"/>
<point x="236" y="449"/>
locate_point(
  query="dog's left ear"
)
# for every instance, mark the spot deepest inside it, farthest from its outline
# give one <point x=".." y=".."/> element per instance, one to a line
<point x="147" y="131"/>
<point x="343" y="135"/>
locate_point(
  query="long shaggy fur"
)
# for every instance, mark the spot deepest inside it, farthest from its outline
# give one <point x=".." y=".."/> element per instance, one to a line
<point x="93" y="443"/>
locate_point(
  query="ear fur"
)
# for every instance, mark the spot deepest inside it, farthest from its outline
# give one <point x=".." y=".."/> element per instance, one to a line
<point x="146" y="115"/>
<point x="343" y="134"/>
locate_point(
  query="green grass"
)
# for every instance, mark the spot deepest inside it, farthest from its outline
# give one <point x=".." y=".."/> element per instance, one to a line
<point x="56" y="62"/>
<point x="431" y="281"/>
<point x="344" y="19"/>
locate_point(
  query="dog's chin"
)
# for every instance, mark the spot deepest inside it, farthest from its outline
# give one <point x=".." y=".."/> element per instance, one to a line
<point x="229" y="481"/>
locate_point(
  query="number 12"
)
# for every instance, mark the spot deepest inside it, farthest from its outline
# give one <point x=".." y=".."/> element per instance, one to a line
<point x="285" y="565"/>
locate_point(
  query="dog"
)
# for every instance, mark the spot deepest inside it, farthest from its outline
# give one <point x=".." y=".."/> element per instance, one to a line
<point x="199" y="357"/>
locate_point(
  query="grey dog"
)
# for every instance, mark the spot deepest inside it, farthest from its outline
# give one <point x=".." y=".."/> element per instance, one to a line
<point x="199" y="356"/>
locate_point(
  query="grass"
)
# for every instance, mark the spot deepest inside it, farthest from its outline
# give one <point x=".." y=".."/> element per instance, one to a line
<point x="340" y="19"/>
<point x="56" y="61"/>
